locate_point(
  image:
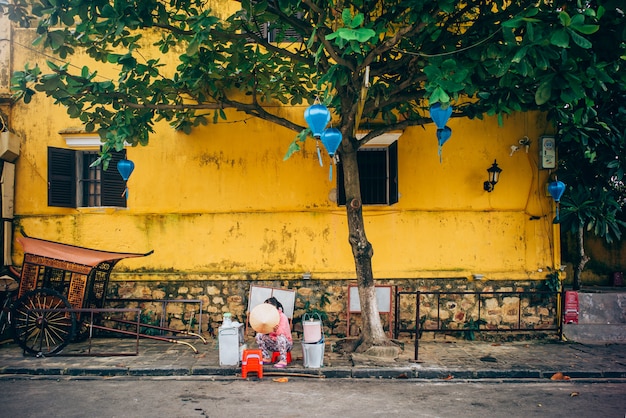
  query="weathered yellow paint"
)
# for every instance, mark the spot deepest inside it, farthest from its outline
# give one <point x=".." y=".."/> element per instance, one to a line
<point x="222" y="204"/>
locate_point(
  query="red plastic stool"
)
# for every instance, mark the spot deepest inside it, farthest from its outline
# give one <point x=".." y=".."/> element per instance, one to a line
<point x="252" y="361"/>
<point x="276" y="355"/>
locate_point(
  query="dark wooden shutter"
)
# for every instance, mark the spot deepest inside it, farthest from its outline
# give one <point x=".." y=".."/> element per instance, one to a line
<point x="392" y="155"/>
<point x="61" y="177"/>
<point x="113" y="184"/>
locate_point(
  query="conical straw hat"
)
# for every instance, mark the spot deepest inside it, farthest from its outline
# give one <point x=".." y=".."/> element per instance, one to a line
<point x="264" y="317"/>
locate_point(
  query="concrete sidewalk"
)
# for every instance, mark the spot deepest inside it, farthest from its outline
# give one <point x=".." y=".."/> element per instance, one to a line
<point x="438" y="360"/>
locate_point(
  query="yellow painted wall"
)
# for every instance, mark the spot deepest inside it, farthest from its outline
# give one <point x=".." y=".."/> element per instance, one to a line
<point x="222" y="204"/>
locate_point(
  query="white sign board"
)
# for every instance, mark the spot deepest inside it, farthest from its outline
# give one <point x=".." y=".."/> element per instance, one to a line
<point x="383" y="298"/>
<point x="259" y="294"/>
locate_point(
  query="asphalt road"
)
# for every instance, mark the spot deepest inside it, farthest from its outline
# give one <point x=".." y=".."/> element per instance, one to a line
<point x="301" y="397"/>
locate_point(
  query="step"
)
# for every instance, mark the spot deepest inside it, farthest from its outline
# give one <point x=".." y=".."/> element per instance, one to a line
<point x="601" y="318"/>
<point x="602" y="308"/>
<point x="595" y="333"/>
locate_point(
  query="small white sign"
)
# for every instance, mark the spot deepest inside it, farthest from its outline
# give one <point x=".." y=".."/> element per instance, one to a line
<point x="383" y="298"/>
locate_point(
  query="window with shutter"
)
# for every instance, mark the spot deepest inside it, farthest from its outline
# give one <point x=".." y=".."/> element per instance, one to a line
<point x="72" y="182"/>
<point x="378" y="175"/>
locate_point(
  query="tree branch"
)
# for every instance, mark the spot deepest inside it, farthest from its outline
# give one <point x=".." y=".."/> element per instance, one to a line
<point x="314" y="7"/>
<point x="398" y="95"/>
<point x="321" y="36"/>
<point x="390" y="43"/>
<point x="248" y="108"/>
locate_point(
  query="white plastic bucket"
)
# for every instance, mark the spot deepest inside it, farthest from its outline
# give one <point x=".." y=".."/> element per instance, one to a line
<point x="311" y="328"/>
<point x="313" y="354"/>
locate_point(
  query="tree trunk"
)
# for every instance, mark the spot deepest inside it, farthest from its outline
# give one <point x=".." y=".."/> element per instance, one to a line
<point x="372" y="333"/>
<point x="582" y="257"/>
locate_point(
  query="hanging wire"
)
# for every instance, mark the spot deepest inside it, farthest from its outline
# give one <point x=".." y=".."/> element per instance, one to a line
<point x="443" y="54"/>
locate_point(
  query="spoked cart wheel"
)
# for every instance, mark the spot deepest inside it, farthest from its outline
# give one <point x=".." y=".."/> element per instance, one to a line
<point x="37" y="327"/>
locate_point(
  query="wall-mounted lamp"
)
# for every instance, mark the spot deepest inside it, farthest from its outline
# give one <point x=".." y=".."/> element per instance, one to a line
<point x="494" y="175"/>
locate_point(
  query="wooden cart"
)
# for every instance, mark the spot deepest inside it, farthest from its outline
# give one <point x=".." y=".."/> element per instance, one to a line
<point x="59" y="283"/>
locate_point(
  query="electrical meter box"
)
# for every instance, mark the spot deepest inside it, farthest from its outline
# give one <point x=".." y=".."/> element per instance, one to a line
<point x="547" y="150"/>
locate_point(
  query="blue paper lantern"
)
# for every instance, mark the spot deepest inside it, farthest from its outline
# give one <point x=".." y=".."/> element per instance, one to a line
<point x="317" y="117"/>
<point x="440" y="115"/>
<point x="556" y="190"/>
<point x="125" y="167"/>
<point x="331" y="138"/>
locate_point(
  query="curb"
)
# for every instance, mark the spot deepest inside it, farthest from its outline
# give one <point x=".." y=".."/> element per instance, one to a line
<point x="401" y="373"/>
